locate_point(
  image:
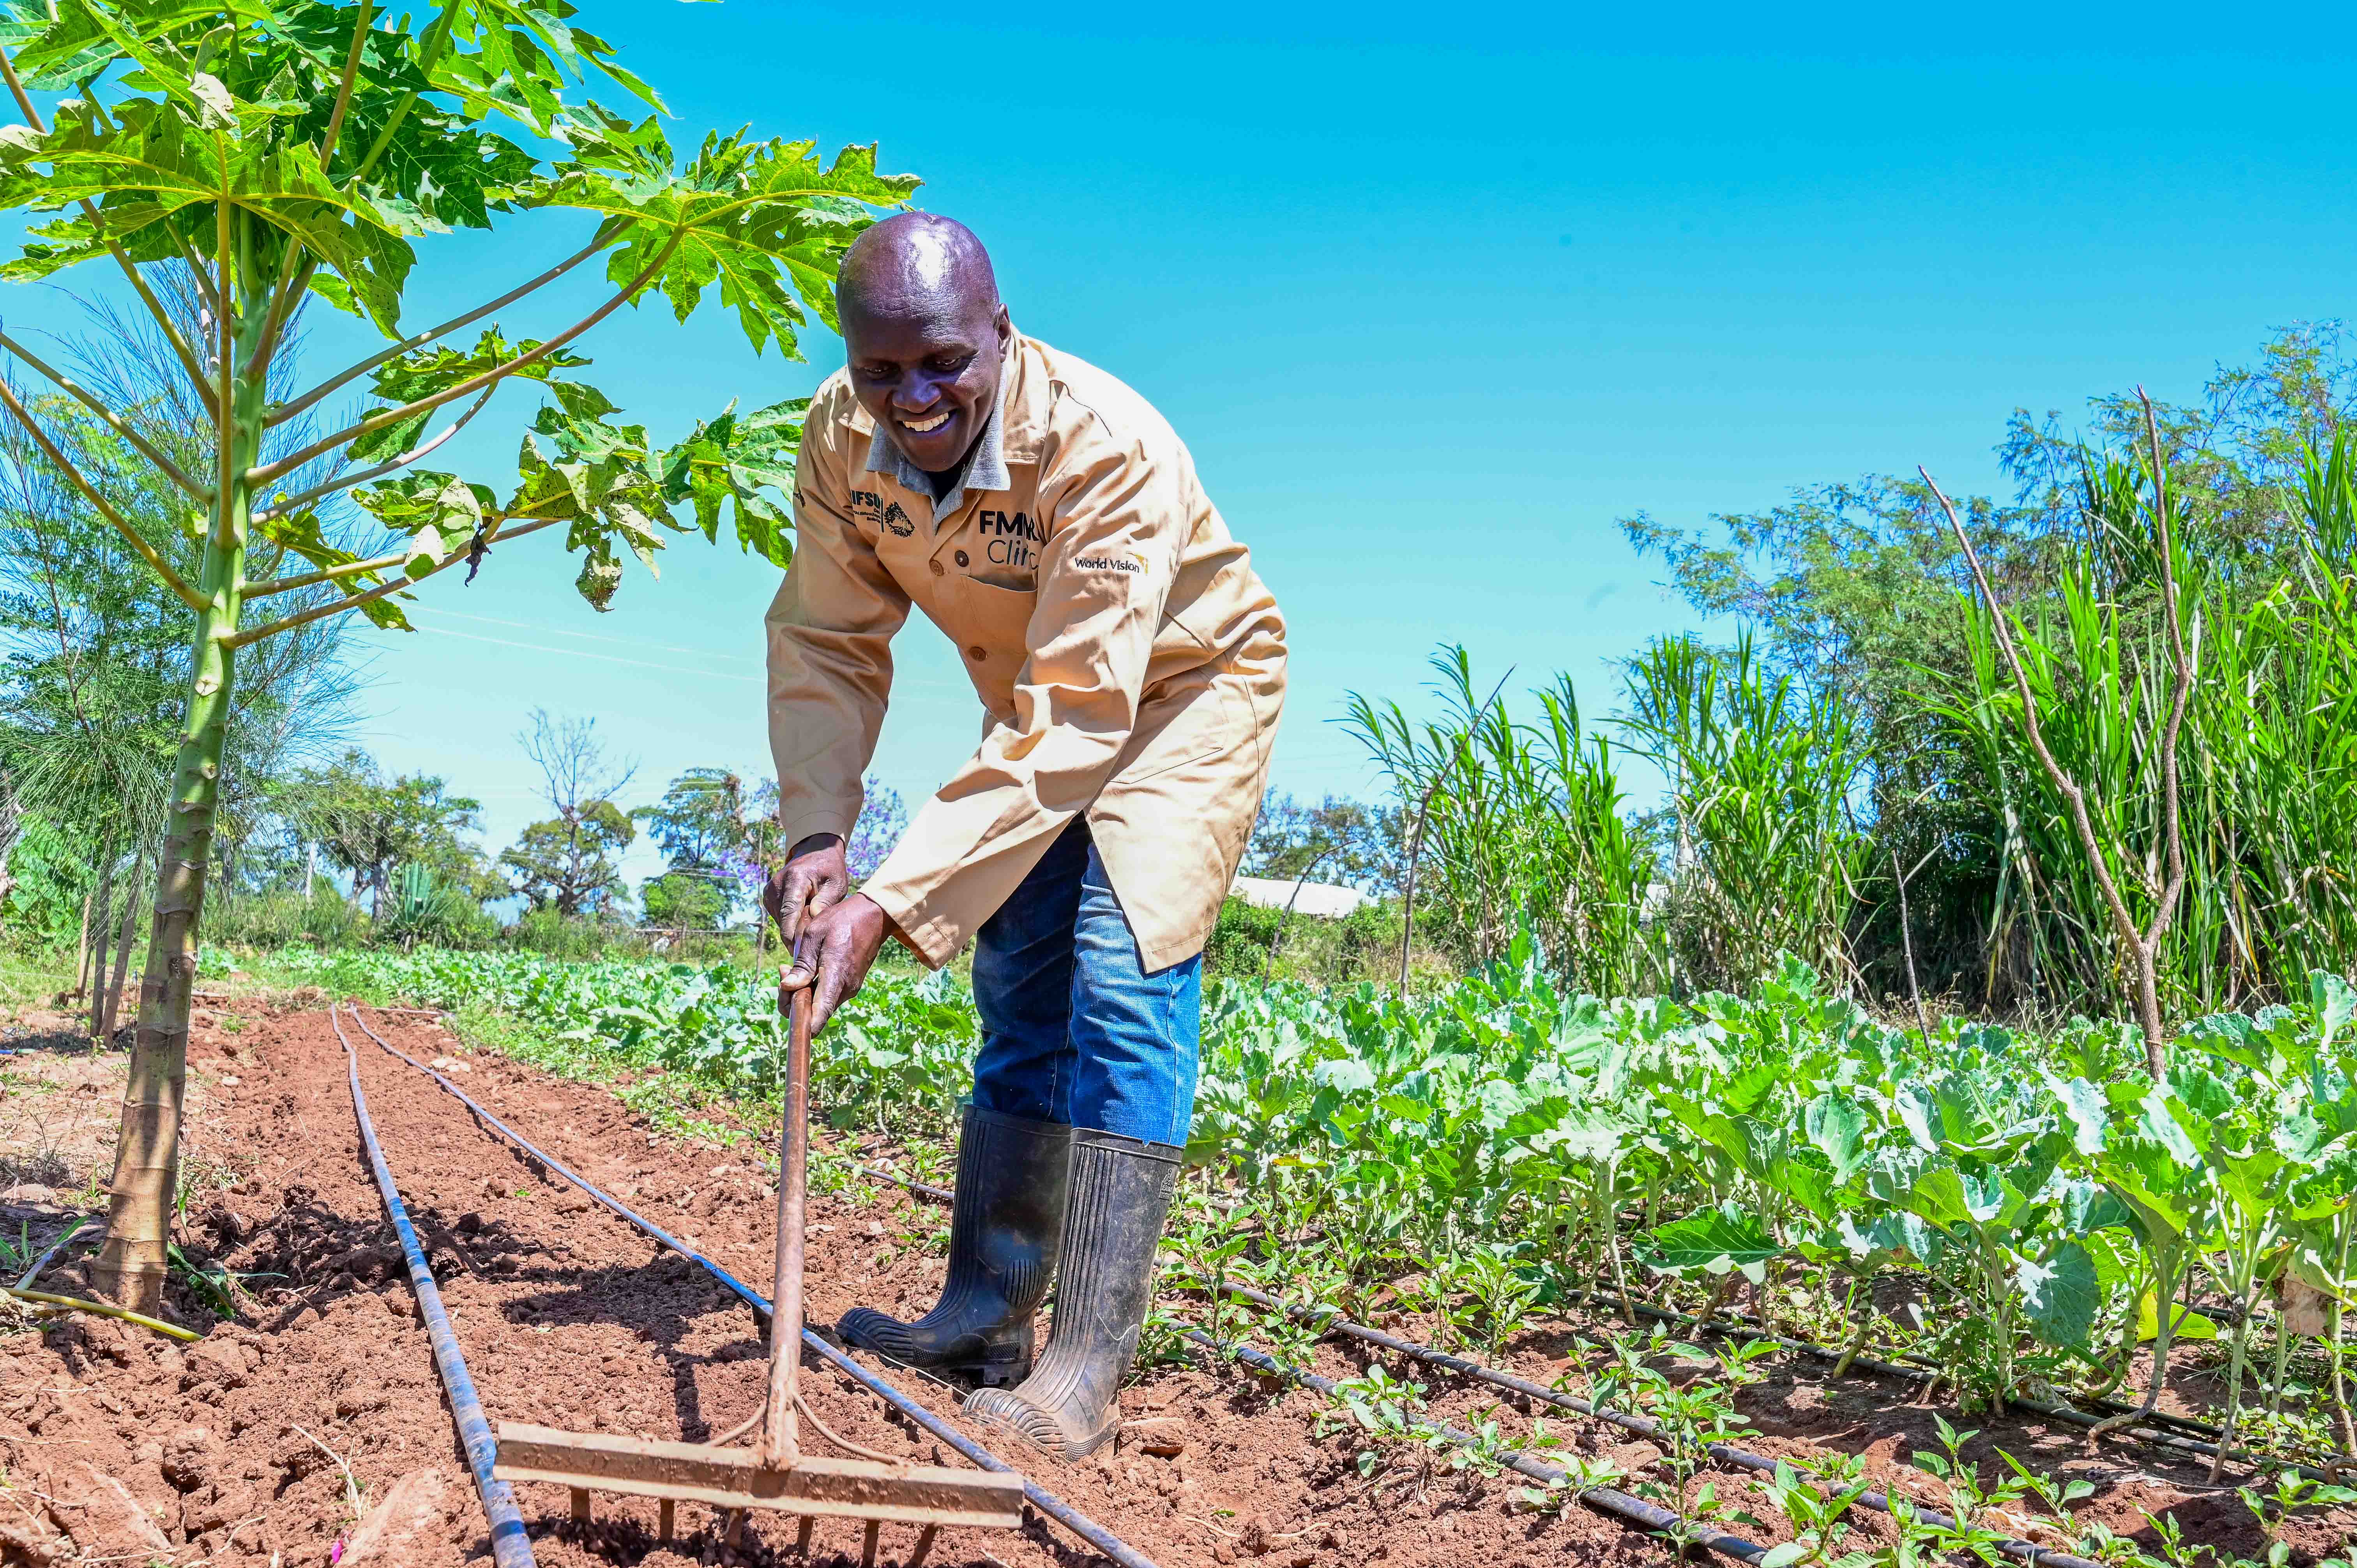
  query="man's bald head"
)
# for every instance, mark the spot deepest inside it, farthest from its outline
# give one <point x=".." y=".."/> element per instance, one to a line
<point x="919" y="261"/>
<point x="924" y="334"/>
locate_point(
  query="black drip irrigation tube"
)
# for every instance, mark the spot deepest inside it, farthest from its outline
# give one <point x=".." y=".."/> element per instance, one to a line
<point x="1724" y="1454"/>
<point x="2144" y="1430"/>
<point x="1634" y="1510"/>
<point x="510" y="1547"/>
<point x="2154" y="1428"/>
<point x="1630" y="1509"/>
<point x="1092" y="1533"/>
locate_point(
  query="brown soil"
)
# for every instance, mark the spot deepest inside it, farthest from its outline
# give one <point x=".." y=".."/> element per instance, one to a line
<point x="114" y="1445"/>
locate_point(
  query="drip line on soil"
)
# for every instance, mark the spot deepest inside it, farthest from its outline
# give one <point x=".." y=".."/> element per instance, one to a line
<point x="510" y="1547"/>
<point x="1091" y="1533"/>
<point x="1606" y="1499"/>
<point x="1724" y="1454"/>
<point x="2062" y="1413"/>
<point x="2144" y="1432"/>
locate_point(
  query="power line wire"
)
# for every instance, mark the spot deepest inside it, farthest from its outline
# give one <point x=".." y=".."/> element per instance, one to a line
<point x="586" y="636"/>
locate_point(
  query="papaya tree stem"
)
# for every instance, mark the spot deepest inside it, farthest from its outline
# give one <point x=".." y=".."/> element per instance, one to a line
<point x="131" y="1267"/>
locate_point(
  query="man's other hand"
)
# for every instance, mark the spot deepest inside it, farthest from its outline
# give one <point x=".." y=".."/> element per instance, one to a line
<point x="838" y="945"/>
<point x="814" y="879"/>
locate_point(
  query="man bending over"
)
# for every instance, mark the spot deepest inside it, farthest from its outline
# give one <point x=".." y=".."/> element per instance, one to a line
<point x="1131" y="667"/>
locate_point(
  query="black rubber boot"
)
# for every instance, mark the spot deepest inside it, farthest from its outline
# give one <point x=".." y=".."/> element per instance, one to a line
<point x="1121" y="1195"/>
<point x="1006" y="1219"/>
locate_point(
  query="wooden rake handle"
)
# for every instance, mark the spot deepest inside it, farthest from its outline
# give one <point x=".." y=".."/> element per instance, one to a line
<point x="779" y="1449"/>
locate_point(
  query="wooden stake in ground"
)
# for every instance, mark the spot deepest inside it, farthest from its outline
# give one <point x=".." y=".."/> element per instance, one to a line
<point x="2143" y="944"/>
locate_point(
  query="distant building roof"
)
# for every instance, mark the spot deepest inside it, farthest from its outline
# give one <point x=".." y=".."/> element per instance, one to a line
<point x="1325" y="900"/>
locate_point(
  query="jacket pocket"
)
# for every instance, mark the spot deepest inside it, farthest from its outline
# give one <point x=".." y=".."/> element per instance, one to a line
<point x="996" y="618"/>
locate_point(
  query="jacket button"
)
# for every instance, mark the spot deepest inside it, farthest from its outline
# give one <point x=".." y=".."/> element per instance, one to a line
<point x="975" y="654"/>
<point x="936" y="566"/>
<point x="962" y="559"/>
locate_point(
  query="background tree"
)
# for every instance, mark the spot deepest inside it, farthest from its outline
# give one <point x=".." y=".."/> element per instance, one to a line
<point x="297" y="149"/>
<point x="700" y="825"/>
<point x="1335" y="839"/>
<point x="369" y="829"/>
<point x="572" y="864"/>
<point x="686" y="900"/>
<point x="883" y="818"/>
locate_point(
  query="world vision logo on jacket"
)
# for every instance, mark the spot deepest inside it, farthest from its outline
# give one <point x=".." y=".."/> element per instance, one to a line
<point x="1129" y="561"/>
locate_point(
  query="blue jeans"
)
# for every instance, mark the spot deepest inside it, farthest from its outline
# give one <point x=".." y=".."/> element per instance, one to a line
<point x="1073" y="1029"/>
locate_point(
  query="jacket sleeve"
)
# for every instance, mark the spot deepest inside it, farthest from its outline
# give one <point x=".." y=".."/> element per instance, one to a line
<point x="1116" y="521"/>
<point x="830" y="635"/>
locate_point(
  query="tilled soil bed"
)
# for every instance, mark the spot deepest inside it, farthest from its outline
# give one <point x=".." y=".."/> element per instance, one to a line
<point x="312" y="1429"/>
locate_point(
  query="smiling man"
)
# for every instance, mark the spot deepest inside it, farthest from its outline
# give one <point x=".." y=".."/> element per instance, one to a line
<point x="1130" y="666"/>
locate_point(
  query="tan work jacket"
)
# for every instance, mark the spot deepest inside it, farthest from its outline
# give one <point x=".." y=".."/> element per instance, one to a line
<point x="1130" y="663"/>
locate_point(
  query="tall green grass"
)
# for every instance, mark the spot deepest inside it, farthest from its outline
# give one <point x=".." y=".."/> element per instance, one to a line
<point x="1761" y="769"/>
<point x="2267" y="756"/>
<point x="1787" y="819"/>
<point x="1512" y="822"/>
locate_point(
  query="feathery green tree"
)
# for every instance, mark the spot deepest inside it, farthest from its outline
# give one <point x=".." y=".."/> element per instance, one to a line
<point x="296" y="150"/>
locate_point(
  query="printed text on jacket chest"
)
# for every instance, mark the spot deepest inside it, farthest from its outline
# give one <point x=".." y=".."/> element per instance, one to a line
<point x="1009" y="538"/>
<point x="867" y="506"/>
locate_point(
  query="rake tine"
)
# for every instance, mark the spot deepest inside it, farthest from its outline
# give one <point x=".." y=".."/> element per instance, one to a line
<point x="802" y="1536"/>
<point x="666" y="1517"/>
<point x="580" y="1505"/>
<point x="923" y="1549"/>
<point x="868" y="1544"/>
<point x="734" y="1535"/>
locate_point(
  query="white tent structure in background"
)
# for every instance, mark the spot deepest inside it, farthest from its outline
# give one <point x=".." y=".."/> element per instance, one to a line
<point x="1324" y="901"/>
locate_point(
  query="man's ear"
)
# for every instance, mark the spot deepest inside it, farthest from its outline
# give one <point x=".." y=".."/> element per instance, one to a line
<point x="1006" y="326"/>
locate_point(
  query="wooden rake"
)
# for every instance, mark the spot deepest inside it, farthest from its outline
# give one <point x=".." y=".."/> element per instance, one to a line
<point x="774" y="1472"/>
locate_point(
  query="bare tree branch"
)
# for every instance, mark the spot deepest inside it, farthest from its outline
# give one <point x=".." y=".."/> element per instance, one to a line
<point x="419" y="339"/>
<point x="2142" y="947"/>
<point x="138" y="542"/>
<point x="114" y="422"/>
<point x="337" y="606"/>
<point x="2181" y="679"/>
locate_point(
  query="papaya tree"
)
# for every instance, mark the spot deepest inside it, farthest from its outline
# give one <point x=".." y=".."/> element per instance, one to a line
<point x="274" y="154"/>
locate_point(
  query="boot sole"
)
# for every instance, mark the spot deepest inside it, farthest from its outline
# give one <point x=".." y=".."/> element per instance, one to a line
<point x="1040" y="1429"/>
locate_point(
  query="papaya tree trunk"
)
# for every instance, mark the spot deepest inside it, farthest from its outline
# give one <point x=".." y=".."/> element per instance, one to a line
<point x="131" y="1267"/>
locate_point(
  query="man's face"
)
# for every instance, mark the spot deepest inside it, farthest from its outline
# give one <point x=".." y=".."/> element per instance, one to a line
<point x="927" y="372"/>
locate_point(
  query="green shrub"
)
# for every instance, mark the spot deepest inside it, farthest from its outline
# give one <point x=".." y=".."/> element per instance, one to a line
<point x="285" y="917"/>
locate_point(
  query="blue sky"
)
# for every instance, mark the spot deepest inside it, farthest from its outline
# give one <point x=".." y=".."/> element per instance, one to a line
<point x="1432" y="303"/>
